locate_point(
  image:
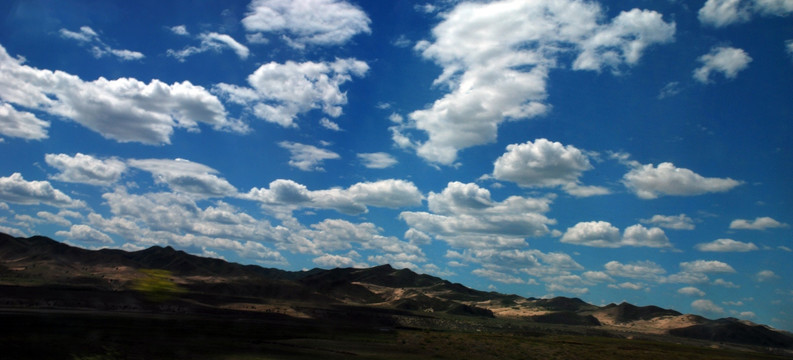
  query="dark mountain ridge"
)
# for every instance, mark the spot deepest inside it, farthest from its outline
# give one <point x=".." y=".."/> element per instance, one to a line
<point x="116" y="277"/>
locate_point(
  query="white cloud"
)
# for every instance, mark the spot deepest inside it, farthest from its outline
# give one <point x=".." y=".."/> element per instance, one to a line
<point x="337" y="234"/>
<point x="674" y="222"/>
<point x="720" y="13"/>
<point x="727" y="60"/>
<point x="766" y="275"/>
<point x="185" y="176"/>
<point x="378" y="160"/>
<point x="646" y="270"/>
<point x="307" y="157"/>
<point x="597" y="276"/>
<point x="85" y="233"/>
<point x="691" y="291"/>
<point x="307" y="22"/>
<point x="706" y="306"/>
<point x="389" y="193"/>
<point x="760" y="223"/>
<point x="498" y="276"/>
<point x="545" y="164"/>
<point x="508" y="264"/>
<point x="86" y="169"/>
<point x="628" y="285"/>
<point x="211" y="41"/>
<point x="21" y="124"/>
<point x="60" y="218"/>
<point x="280" y="92"/>
<point x="603" y="234"/>
<point x="125" y="109"/>
<point x="465" y="216"/>
<point x="328" y="124"/>
<point x="726" y="245"/>
<point x="15" y="189"/>
<point x="706" y="266"/>
<point x="179" y="30"/>
<point x="650" y="182"/>
<point x="593" y="233"/>
<point x="88" y="36"/>
<point x="495" y="81"/>
<point x="339" y="261"/>
<point x="725" y="283"/>
<point x="789" y="47"/>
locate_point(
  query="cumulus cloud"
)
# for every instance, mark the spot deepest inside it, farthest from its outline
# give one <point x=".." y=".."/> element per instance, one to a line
<point x="543" y="163"/>
<point x="498" y="276"/>
<point x="691" y="291"/>
<point x="706" y="266"/>
<point x="389" y="193"/>
<point x="86" y="169"/>
<point x="674" y="222"/>
<point x="495" y="81"/>
<point x="726" y="245"/>
<point x="337" y="234"/>
<point x="765" y="275"/>
<point x="760" y="223"/>
<point x="85" y="233"/>
<point x="21" y="124"/>
<point x="280" y="92"/>
<point x="339" y="261"/>
<point x="328" y="124"/>
<point x="646" y="270"/>
<point x="378" y="160"/>
<point x="720" y="13"/>
<point x="15" y="189"/>
<point x="509" y="265"/>
<point x="307" y="157"/>
<point x="706" y="306"/>
<point x="307" y="22"/>
<point x="728" y="61"/>
<point x="464" y="215"/>
<point x="210" y="41"/>
<point x="179" y="30"/>
<point x="603" y="234"/>
<point x="650" y="182"/>
<point x="125" y="109"/>
<point x="88" y="37"/>
<point x="185" y="176"/>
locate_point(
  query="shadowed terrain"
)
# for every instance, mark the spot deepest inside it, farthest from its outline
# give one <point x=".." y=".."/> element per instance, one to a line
<point x="164" y="303"/>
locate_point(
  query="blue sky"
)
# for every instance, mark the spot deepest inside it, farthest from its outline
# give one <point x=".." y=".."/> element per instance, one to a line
<point x="625" y="151"/>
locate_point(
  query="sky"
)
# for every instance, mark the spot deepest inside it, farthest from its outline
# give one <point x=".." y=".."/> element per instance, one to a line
<point x="617" y="151"/>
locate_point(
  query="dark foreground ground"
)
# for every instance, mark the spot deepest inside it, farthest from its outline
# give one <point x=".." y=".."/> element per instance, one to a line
<point x="74" y="334"/>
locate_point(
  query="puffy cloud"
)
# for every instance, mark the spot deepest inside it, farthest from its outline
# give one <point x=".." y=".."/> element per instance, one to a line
<point x="706" y="306"/>
<point x="646" y="270"/>
<point x="495" y="81"/>
<point x="674" y="222"/>
<point x="508" y="264"/>
<point x="638" y="235"/>
<point x="545" y="164"/>
<point x="628" y="285"/>
<point x="725" y="283"/>
<point x="465" y="216"/>
<point x="88" y="36"/>
<point x="760" y="223"/>
<point x="86" y="169"/>
<point x="389" y="193"/>
<point x="603" y="234"/>
<point x="337" y="234"/>
<point x="15" y="189"/>
<point x="765" y="275"/>
<point x="279" y="92"/>
<point x="691" y="291"/>
<point x="307" y="22"/>
<point x="706" y="266"/>
<point x="338" y="261"/>
<point x="650" y="182"/>
<point x="593" y="233"/>
<point x="210" y="41"/>
<point x="125" y="109"/>
<point x="597" y="276"/>
<point x="726" y="245"/>
<point x="726" y="60"/>
<point x="720" y="13"/>
<point x="789" y="47"/>
<point x="498" y="276"/>
<point x="21" y="124"/>
<point x="85" y="233"/>
<point x="307" y="157"/>
<point x="378" y="160"/>
<point x="179" y="30"/>
<point x="186" y="177"/>
<point x="330" y="125"/>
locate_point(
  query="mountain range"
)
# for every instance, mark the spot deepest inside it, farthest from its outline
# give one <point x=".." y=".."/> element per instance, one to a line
<point x="44" y="274"/>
